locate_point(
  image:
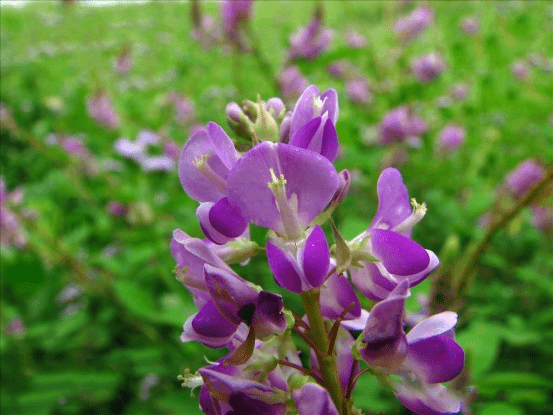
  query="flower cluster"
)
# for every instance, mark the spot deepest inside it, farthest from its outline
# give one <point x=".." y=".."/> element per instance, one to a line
<point x="138" y="151"/>
<point x="287" y="183"/>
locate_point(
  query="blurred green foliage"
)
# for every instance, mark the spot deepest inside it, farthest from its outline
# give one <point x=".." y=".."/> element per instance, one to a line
<point x="114" y="346"/>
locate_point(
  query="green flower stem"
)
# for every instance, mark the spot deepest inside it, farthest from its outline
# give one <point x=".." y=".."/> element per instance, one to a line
<point x="319" y="336"/>
<point x="463" y="273"/>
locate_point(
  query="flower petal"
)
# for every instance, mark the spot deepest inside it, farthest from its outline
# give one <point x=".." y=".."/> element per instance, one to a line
<point x="431" y="400"/>
<point x="316" y="257"/>
<point x="435" y="359"/>
<point x="393" y="201"/>
<point x="309" y="176"/>
<point x="433" y="326"/>
<point x="283" y="269"/>
<point x="400" y="255"/>
<point x="226" y="219"/>
<point x="373" y="281"/>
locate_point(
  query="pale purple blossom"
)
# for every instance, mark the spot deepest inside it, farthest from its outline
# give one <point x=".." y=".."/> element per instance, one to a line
<point x="428" y="67"/>
<point x="138" y="151"/>
<point x="185" y="113"/>
<point x="399" y="124"/>
<point x="310" y="41"/>
<point x="470" y="25"/>
<point x="520" y="70"/>
<point x="358" y="91"/>
<point x="524" y="177"/>
<point x="451" y="138"/>
<point x="411" y="26"/>
<point x="292" y="83"/>
<point x="100" y="109"/>
<point x="355" y="39"/>
<point x="234" y="15"/>
<point x="11" y="231"/>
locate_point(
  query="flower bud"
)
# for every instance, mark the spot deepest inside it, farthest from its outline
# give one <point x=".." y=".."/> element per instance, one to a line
<point x="266" y="128"/>
<point x="238" y="121"/>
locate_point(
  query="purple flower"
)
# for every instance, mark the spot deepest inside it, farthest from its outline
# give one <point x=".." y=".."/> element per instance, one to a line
<point x="543" y="218"/>
<point x="470" y="25"/>
<point x="101" y="110"/>
<point x="292" y="83"/>
<point x="233" y="390"/>
<point x="411" y="26"/>
<point x="336" y="295"/>
<point x="451" y="138"/>
<point x="75" y="147"/>
<point x="355" y="39"/>
<point x="205" y="162"/>
<point x="400" y="123"/>
<point x="524" y="177"/>
<point x="427" y="356"/>
<point x="234" y="14"/>
<point x="310" y="41"/>
<point x="520" y="70"/>
<point x="124" y="61"/>
<point x="339" y="69"/>
<point x="184" y="109"/>
<point x="428" y="67"/>
<point x="11" y="231"/>
<point x="281" y="187"/>
<point x="312" y="398"/>
<point x="398" y="257"/>
<point x="191" y="254"/>
<point x="358" y="92"/>
<point x="220" y="222"/>
<point x="117" y="209"/>
<point x="301" y="267"/>
<point x="460" y="91"/>
<point x="15" y="327"/>
<point x="138" y="151"/>
<point x="205" y="30"/>
<point x="313" y="121"/>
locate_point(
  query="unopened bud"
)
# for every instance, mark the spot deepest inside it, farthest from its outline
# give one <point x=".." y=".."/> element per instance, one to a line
<point x="238" y="121"/>
<point x="277" y="107"/>
<point x="266" y="128"/>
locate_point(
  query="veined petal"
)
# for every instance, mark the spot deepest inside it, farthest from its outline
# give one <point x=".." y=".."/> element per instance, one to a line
<point x="200" y="144"/>
<point x="283" y="269"/>
<point x="309" y="176"/>
<point x="435" y="359"/>
<point x="399" y="255"/>
<point x="189" y="334"/>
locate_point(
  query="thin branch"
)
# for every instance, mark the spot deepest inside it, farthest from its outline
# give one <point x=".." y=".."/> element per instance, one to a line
<point x="336" y="326"/>
<point x="300" y="322"/>
<point x="301" y="369"/>
<point x="306" y="339"/>
<point x="362" y="372"/>
<point x="352" y="377"/>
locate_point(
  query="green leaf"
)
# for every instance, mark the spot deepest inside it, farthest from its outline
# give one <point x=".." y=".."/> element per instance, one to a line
<point x="136" y="299"/>
<point x="481" y="342"/>
<point x="501" y="409"/>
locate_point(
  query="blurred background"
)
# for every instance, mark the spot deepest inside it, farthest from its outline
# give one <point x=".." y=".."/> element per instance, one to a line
<point x="97" y="102"/>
